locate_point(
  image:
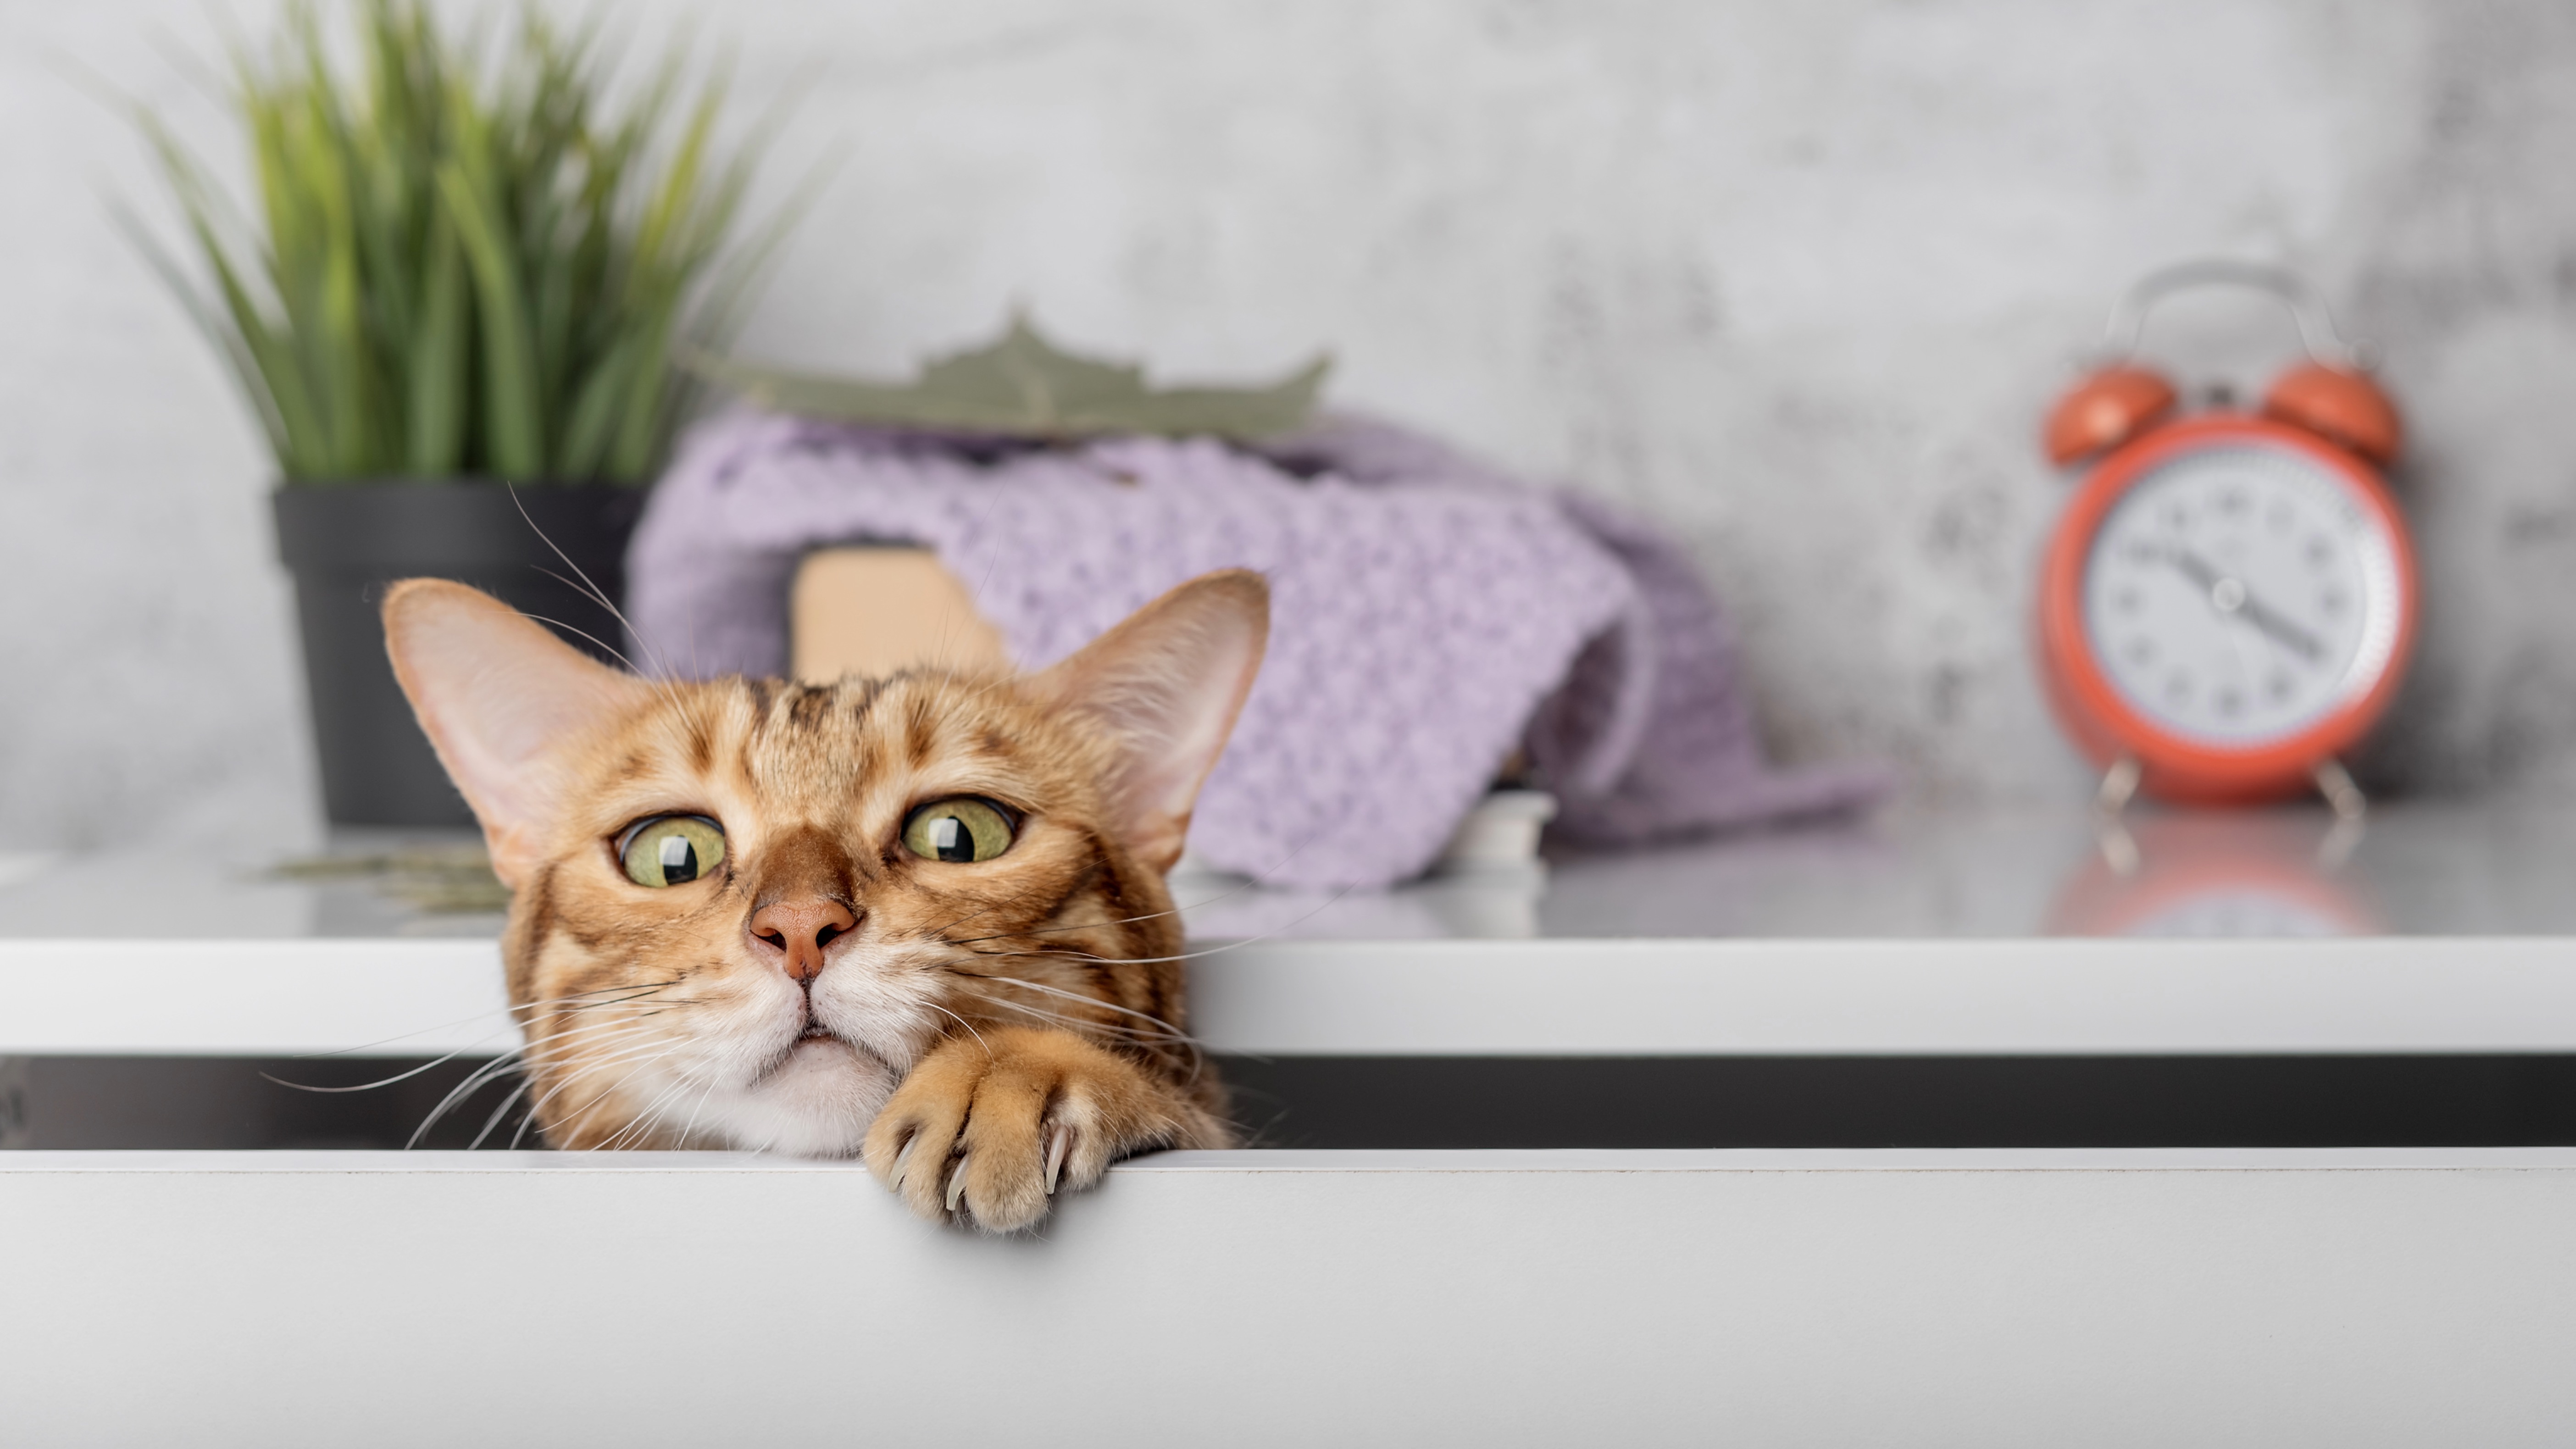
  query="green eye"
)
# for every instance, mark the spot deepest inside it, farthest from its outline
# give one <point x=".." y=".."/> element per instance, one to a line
<point x="670" y="850"/>
<point x="963" y="830"/>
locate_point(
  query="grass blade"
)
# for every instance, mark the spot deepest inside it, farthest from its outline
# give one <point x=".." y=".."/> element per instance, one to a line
<point x="511" y="425"/>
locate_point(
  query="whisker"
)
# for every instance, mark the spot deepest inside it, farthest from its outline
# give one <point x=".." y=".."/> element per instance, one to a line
<point x="616" y="1048"/>
<point x="617" y="1044"/>
<point x="609" y="649"/>
<point x="690" y="1126"/>
<point x="1165" y="1039"/>
<point x="1167" y="1034"/>
<point x="1111" y="1028"/>
<point x="1144" y="1016"/>
<point x="457" y="1095"/>
<point x="479" y="1078"/>
<point x="652" y="1110"/>
<point x="526" y="1121"/>
<point x="478" y="1016"/>
<point x="961" y="1021"/>
<point x="662" y="1113"/>
<point x="642" y="1119"/>
<point x="597" y="594"/>
<point x="632" y="1057"/>
<point x="1160" y="1044"/>
<point x="659" y="678"/>
<point x="430" y="1065"/>
<point x="494" y="1121"/>
<point x="609" y="1143"/>
<point x="483" y="1075"/>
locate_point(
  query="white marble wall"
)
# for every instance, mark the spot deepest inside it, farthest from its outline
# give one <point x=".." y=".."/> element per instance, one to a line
<point x="1795" y="279"/>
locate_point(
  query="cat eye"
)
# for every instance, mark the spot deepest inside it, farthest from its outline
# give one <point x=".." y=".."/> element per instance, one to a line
<point x="963" y="830"/>
<point x="670" y="850"/>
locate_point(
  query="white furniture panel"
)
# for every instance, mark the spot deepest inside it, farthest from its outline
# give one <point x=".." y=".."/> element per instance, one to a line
<point x="1987" y="1298"/>
<point x="390" y="997"/>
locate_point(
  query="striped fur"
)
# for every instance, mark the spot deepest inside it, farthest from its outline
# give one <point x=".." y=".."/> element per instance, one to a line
<point x="984" y="1035"/>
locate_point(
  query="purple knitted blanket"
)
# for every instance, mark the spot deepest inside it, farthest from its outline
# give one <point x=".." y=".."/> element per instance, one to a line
<point x="1429" y="618"/>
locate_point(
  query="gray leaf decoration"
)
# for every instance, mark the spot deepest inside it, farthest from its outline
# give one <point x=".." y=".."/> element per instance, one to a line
<point x="1025" y="386"/>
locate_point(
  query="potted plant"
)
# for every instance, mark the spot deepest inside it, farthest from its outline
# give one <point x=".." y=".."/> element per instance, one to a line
<point x="454" y="307"/>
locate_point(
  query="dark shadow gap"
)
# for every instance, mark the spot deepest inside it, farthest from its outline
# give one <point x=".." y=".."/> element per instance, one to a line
<point x="1434" y="1102"/>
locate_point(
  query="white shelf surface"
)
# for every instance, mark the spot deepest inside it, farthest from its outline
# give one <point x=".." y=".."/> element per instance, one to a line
<point x="2096" y="1298"/>
<point x="2438" y="929"/>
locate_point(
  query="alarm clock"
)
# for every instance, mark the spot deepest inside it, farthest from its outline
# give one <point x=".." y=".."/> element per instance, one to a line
<point x="2229" y="598"/>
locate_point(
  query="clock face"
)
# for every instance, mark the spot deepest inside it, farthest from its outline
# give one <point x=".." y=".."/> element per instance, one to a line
<point x="2237" y="594"/>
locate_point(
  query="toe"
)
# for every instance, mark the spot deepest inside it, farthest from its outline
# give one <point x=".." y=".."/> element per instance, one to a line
<point x="1003" y="1180"/>
<point x="912" y="1145"/>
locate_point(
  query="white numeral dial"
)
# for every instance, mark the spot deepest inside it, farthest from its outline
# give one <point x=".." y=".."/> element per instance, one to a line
<point x="2237" y="594"/>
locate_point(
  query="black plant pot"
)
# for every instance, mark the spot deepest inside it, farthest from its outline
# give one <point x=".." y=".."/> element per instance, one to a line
<point x="346" y="542"/>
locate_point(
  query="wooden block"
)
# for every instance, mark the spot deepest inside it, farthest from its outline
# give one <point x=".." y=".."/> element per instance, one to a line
<point x="872" y="610"/>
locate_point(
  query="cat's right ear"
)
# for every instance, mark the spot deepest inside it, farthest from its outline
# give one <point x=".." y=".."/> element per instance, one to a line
<point x="1167" y="684"/>
<point x="500" y="696"/>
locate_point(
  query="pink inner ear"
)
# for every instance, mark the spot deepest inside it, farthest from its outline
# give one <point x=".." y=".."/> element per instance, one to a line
<point x="501" y="699"/>
<point x="1168" y="683"/>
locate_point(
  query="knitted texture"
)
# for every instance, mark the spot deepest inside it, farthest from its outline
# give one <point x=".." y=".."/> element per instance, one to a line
<point x="1424" y="609"/>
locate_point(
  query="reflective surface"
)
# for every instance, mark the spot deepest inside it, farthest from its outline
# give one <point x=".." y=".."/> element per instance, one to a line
<point x="253" y="894"/>
<point x="2428" y="868"/>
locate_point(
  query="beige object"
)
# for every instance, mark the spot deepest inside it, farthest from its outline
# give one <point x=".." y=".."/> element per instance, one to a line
<point x="1501" y="832"/>
<point x="874" y="610"/>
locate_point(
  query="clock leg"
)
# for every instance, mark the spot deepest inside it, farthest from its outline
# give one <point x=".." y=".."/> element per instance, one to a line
<point x="2335" y="783"/>
<point x="2349" y="804"/>
<point x="2119" y="786"/>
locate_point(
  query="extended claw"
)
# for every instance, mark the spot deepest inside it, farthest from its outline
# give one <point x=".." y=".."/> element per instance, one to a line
<point x="957" y="1184"/>
<point x="1059" y="1142"/>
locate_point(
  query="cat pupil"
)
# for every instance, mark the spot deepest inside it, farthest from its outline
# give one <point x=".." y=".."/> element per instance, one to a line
<point x="949" y="838"/>
<point x="679" y="860"/>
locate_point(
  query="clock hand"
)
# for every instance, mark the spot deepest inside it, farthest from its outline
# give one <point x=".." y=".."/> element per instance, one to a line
<point x="2230" y="596"/>
<point x="2193" y="566"/>
<point x="2298" y="640"/>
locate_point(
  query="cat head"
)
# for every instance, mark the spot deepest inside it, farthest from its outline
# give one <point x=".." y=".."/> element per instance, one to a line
<point x="741" y="909"/>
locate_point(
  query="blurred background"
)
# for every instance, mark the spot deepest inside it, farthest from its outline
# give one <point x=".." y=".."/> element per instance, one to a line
<point x="1796" y="282"/>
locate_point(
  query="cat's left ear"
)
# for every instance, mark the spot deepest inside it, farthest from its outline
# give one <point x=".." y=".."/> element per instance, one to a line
<point x="503" y="700"/>
<point x="1167" y="683"/>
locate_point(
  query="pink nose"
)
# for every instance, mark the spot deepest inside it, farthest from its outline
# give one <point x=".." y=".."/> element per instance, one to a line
<point x="799" y="930"/>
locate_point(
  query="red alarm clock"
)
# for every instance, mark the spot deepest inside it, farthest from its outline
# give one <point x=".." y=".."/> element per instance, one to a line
<point x="2229" y="599"/>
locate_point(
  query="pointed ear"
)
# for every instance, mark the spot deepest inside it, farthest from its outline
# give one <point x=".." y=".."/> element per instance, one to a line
<point x="499" y="696"/>
<point x="1167" y="683"/>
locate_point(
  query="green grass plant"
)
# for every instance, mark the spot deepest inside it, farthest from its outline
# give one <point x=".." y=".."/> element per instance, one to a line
<point x="465" y="258"/>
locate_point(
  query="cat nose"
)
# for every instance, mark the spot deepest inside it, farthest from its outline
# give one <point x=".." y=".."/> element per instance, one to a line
<point x="799" y="930"/>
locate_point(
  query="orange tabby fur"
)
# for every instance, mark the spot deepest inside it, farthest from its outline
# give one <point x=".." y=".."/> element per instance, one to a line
<point x="982" y="1033"/>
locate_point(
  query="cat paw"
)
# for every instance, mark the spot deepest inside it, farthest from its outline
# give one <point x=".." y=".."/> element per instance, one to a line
<point x="987" y="1129"/>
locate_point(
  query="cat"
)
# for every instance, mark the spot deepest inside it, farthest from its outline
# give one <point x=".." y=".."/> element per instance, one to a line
<point x="919" y="919"/>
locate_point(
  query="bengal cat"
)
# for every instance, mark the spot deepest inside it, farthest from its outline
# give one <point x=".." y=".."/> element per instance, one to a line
<point x="919" y="919"/>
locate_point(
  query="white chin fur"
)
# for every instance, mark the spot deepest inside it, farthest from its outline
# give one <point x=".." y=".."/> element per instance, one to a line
<point x="818" y="1104"/>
